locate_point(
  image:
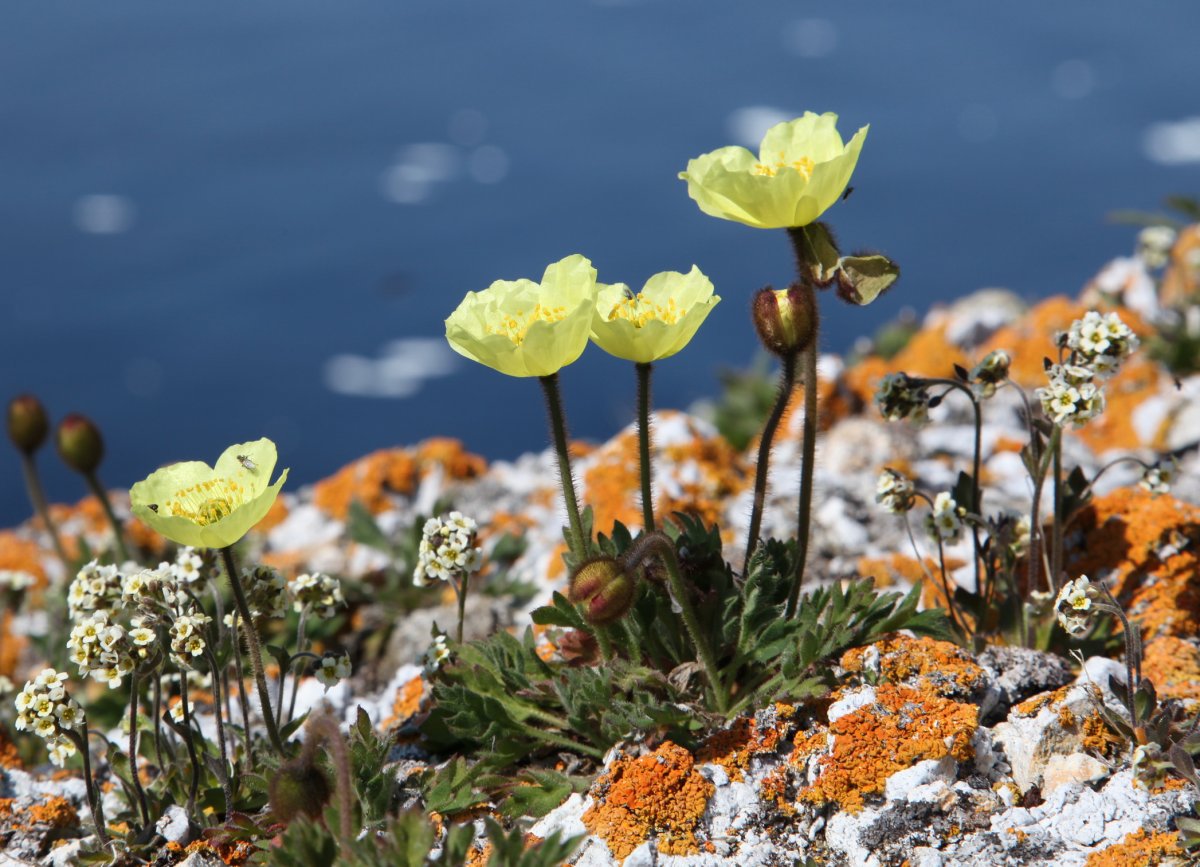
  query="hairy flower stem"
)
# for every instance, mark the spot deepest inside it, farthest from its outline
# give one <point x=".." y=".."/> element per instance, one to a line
<point x="134" y="777"/>
<point x="787" y="381"/>
<point x="223" y="771"/>
<point x="558" y="427"/>
<point x="95" y="806"/>
<point x="1056" y="538"/>
<point x="101" y="495"/>
<point x="37" y="496"/>
<point x="809" y="458"/>
<point x="643" y="399"/>
<point x="659" y="544"/>
<point x="252" y="645"/>
<point x="301" y="646"/>
<point x="604" y="643"/>
<point x="1037" y="535"/>
<point x="460" y="593"/>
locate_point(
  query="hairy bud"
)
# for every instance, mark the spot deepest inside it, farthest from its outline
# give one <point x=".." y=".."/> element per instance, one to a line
<point x="785" y="319"/>
<point x="605" y="589"/>
<point x="27" y="424"/>
<point x="80" y="443"/>
<point x="298" y="787"/>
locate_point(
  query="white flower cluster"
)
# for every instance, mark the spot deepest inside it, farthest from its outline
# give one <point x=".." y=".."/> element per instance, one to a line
<point x="15" y="580"/>
<point x="187" y="635"/>
<point x="266" y="594"/>
<point x="320" y="593"/>
<point x="898" y="398"/>
<point x="1071" y="396"/>
<point x="44" y="708"/>
<point x="449" y="547"/>
<point x="333" y="667"/>
<point x="1074" y="605"/>
<point x="1101" y="343"/>
<point x="1154" y="245"/>
<point x="987" y="375"/>
<point x="106" y="650"/>
<point x="437" y="654"/>
<point x="1159" y="478"/>
<point x="94" y="588"/>
<point x="946" y="522"/>
<point x="894" y="492"/>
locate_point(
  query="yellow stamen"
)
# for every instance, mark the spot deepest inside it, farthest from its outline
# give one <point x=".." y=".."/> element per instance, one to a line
<point x="804" y="166"/>
<point x="207" y="502"/>
<point x="639" y="311"/>
<point x="516" y="325"/>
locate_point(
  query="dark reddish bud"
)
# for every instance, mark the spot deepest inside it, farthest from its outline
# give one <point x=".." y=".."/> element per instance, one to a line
<point x="27" y="424"/>
<point x="579" y="648"/>
<point x="298" y="787"/>
<point x="785" y="319"/>
<point x="80" y="444"/>
<point x="604" y="588"/>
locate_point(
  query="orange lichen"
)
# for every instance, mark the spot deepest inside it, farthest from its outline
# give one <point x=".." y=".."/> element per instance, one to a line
<point x="1031" y="338"/>
<point x="660" y="793"/>
<point x="12" y="645"/>
<point x="372" y="479"/>
<point x="56" y="812"/>
<point x="1149" y="545"/>
<point x="613" y="482"/>
<point x="923" y="663"/>
<point x="1033" y="706"/>
<point x="1138" y="379"/>
<point x="1173" y="666"/>
<point x="234" y="854"/>
<point x="1181" y="280"/>
<point x="1066" y="717"/>
<point x="274" y="517"/>
<point x="1097" y="736"/>
<point x="901" y="727"/>
<point x="928" y="353"/>
<point x="21" y="555"/>
<point x="1139" y="849"/>
<point x="9" y="757"/>
<point x="733" y="748"/>
<point x="407" y="703"/>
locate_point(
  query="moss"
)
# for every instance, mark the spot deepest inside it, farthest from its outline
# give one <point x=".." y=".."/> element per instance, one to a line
<point x="660" y="793"/>
<point x="901" y="727"/>
<point x="1139" y="849"/>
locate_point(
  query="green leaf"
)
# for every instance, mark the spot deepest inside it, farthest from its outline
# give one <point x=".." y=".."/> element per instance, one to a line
<point x="449" y="790"/>
<point x="560" y="613"/>
<point x="818" y="253"/>
<point x="361" y="527"/>
<point x="862" y="279"/>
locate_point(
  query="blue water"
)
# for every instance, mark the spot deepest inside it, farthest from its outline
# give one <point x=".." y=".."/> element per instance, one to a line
<point x="256" y="153"/>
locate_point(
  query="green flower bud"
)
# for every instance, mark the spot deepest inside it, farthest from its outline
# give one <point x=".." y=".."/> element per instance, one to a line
<point x="80" y="443"/>
<point x="27" y="424"/>
<point x="785" y="319"/>
<point x="605" y="589"/>
<point x="299" y="786"/>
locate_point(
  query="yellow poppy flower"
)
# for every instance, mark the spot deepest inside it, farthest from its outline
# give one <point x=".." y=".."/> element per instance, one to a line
<point x="194" y="504"/>
<point x="658" y="321"/>
<point x="523" y="328"/>
<point x="801" y="170"/>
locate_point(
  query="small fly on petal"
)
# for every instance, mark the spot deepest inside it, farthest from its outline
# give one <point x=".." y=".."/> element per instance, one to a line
<point x="247" y="463"/>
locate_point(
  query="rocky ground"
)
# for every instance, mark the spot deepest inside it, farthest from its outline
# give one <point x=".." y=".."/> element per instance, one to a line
<point x="925" y="755"/>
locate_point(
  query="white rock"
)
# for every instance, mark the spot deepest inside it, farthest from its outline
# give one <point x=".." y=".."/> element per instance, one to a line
<point x="850" y="703"/>
<point x="174" y="826"/>
<point x="915" y="784"/>
<point x="1073" y="769"/>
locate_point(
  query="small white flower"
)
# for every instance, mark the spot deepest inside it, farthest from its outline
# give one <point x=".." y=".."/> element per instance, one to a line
<point x="946" y="521"/>
<point x="333" y="669"/>
<point x="448" y="548"/>
<point x="894" y="492"/>
<point x="437" y="654"/>
<point x="1074" y="605"/>
<point x="1154" y="245"/>
<point x="60" y="748"/>
<point x="1159" y="478"/>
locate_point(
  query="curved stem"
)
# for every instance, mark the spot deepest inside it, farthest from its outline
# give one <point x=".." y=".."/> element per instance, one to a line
<point x="252" y="646"/>
<point x="643" y="391"/>
<point x="658" y="543"/>
<point x="301" y="646"/>
<point x="223" y="774"/>
<point x="102" y="495"/>
<point x="135" y="779"/>
<point x="558" y="428"/>
<point x="37" y="496"/>
<point x="787" y="380"/>
<point x="808" y="458"/>
<point x="94" y="804"/>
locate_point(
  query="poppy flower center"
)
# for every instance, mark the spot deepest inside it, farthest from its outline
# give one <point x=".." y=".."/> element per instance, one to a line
<point x="804" y="166"/>
<point x="639" y="311"/>
<point x="207" y="502"/>
<point x="514" y="326"/>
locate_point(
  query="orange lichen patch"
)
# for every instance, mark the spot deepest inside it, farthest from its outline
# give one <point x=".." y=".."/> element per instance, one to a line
<point x="144" y="538"/>
<point x="1181" y="280"/>
<point x="734" y="747"/>
<point x="12" y="646"/>
<point x="479" y="857"/>
<point x="1139" y="849"/>
<point x="274" y="517"/>
<point x="21" y="555"/>
<point x="901" y="727"/>
<point x="924" y="663"/>
<point x="1138" y="379"/>
<point x="9" y="758"/>
<point x="1152" y="548"/>
<point x="1066" y="717"/>
<point x="557" y="567"/>
<point x="895" y="568"/>
<point x="661" y="792"/>
<point x="369" y="480"/>
<point x="1033" y="706"/>
<point x="1173" y="666"/>
<point x="928" y="353"/>
<point x="505" y="523"/>
<point x="56" y="812"/>
<point x="613" y="483"/>
<point x="234" y="854"/>
<point x="933" y="594"/>
<point x="1098" y="737"/>
<point x="722" y="474"/>
<point x="456" y="462"/>
<point x="407" y="704"/>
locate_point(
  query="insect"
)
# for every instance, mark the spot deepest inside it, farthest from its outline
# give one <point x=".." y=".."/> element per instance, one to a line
<point x="846" y="194"/>
<point x="247" y="463"/>
<point x="153" y="507"/>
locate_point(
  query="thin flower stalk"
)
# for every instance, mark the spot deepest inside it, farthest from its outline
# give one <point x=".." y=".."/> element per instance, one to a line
<point x="787" y="382"/>
<point x="95" y="805"/>
<point x="37" y="496"/>
<point x="558" y="428"/>
<point x="808" y="458"/>
<point x="135" y="779"/>
<point x="646" y="470"/>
